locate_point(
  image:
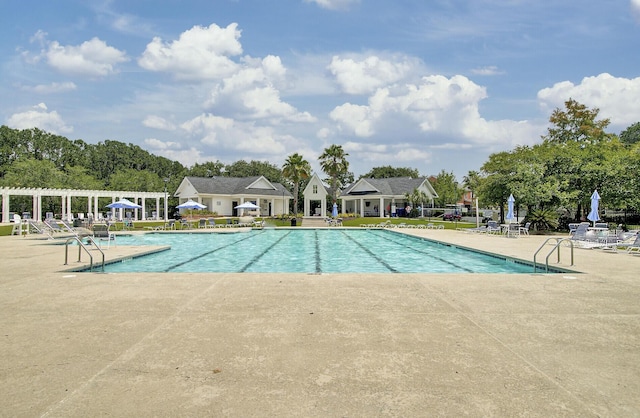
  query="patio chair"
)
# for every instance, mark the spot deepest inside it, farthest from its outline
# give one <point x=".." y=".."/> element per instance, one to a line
<point x="525" y="229"/>
<point x="102" y="234"/>
<point x="202" y="223"/>
<point x="493" y="228"/>
<point x="53" y="225"/>
<point x="171" y="224"/>
<point x="626" y="241"/>
<point x="127" y="223"/>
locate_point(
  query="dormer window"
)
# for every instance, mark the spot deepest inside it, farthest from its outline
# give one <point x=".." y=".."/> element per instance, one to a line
<point x="315" y="189"/>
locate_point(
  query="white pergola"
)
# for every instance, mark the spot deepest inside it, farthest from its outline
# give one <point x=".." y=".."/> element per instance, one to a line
<point x="92" y="197"/>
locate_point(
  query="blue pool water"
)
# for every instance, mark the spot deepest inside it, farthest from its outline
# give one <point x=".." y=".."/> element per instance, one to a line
<point x="308" y="251"/>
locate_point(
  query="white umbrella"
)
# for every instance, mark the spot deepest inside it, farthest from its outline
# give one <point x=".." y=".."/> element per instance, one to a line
<point x="248" y="205"/>
<point x="124" y="204"/>
<point x="191" y="204"/>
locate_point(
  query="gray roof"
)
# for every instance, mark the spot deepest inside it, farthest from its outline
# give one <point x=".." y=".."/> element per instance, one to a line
<point x="234" y="186"/>
<point x="394" y="186"/>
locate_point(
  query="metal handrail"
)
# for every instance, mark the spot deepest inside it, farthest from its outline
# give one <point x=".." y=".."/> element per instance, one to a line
<point x="555" y="247"/>
<point x="81" y="246"/>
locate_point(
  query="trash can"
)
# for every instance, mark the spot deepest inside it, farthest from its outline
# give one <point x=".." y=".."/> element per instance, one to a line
<point x="294" y="221"/>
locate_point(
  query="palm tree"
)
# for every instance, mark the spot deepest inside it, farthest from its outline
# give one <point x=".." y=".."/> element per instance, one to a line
<point x="295" y="169"/>
<point x="334" y="163"/>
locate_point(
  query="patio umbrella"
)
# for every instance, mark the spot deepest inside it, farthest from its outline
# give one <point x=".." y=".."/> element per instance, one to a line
<point x="124" y="204"/>
<point x="334" y="212"/>
<point x="248" y="205"/>
<point x="190" y="204"/>
<point x="595" y="200"/>
<point x="510" y="201"/>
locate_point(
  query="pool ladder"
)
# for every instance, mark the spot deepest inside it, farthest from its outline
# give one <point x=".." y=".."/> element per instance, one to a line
<point x="556" y="248"/>
<point x="82" y="246"/>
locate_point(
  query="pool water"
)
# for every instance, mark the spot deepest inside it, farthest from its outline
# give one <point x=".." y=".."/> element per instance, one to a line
<point x="308" y="251"/>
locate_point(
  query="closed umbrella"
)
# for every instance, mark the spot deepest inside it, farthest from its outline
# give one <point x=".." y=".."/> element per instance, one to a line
<point x="510" y="214"/>
<point x="595" y="201"/>
<point x="334" y="211"/>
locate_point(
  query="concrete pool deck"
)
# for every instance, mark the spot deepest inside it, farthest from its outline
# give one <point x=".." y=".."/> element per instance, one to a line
<point x="308" y="345"/>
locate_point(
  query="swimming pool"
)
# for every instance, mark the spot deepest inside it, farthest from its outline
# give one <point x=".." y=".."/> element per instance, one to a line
<point x="308" y="251"/>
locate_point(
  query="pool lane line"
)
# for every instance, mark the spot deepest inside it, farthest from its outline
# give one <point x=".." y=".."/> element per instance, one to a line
<point x="371" y="253"/>
<point x="468" y="270"/>
<point x="192" y="259"/>
<point x="318" y="259"/>
<point x="259" y="256"/>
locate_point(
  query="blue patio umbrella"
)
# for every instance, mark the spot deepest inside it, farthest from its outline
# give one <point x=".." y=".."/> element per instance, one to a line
<point x="124" y="204"/>
<point x="595" y="201"/>
<point x="334" y="212"/>
<point x="510" y="214"/>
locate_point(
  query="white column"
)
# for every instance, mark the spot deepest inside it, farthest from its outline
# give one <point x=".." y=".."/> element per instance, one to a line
<point x="69" y="215"/>
<point x="381" y="208"/>
<point x="5" y="207"/>
<point x="144" y="210"/>
<point x="38" y="212"/>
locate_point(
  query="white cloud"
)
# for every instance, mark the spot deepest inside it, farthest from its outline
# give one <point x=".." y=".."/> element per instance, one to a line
<point x="334" y="4"/>
<point x="157" y="144"/>
<point x="617" y="98"/>
<point x="51" y="88"/>
<point x="252" y="93"/>
<point x="224" y="135"/>
<point x="157" y="122"/>
<point x="635" y="10"/>
<point x="366" y="75"/>
<point x="91" y="58"/>
<point x="40" y="118"/>
<point x="201" y="53"/>
<point x="437" y="103"/>
<point x="487" y="71"/>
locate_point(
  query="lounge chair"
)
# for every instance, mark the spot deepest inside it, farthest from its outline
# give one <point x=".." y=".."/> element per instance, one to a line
<point x="626" y="241"/>
<point x="53" y="225"/>
<point x="102" y="234"/>
<point x="493" y="228"/>
<point x="202" y="223"/>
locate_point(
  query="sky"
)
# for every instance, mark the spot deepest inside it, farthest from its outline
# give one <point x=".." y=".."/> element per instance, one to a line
<point x="431" y="85"/>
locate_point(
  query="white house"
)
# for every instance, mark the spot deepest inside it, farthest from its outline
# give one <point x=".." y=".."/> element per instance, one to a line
<point x="315" y="197"/>
<point x="383" y="197"/>
<point x="223" y="194"/>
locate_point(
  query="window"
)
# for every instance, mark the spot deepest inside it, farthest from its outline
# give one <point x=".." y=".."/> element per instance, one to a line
<point x="315" y="189"/>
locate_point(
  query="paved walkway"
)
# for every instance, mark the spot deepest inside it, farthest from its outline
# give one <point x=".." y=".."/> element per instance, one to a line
<point x="330" y="345"/>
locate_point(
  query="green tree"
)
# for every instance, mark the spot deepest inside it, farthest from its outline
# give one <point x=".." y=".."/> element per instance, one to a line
<point x="446" y="186"/>
<point x="254" y="168"/>
<point x="333" y="162"/>
<point x="207" y="169"/>
<point x="415" y="198"/>
<point x="33" y="173"/>
<point x="631" y="135"/>
<point x="295" y="169"/>
<point x="577" y="124"/>
<point x="387" y="171"/>
<point x="136" y="180"/>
